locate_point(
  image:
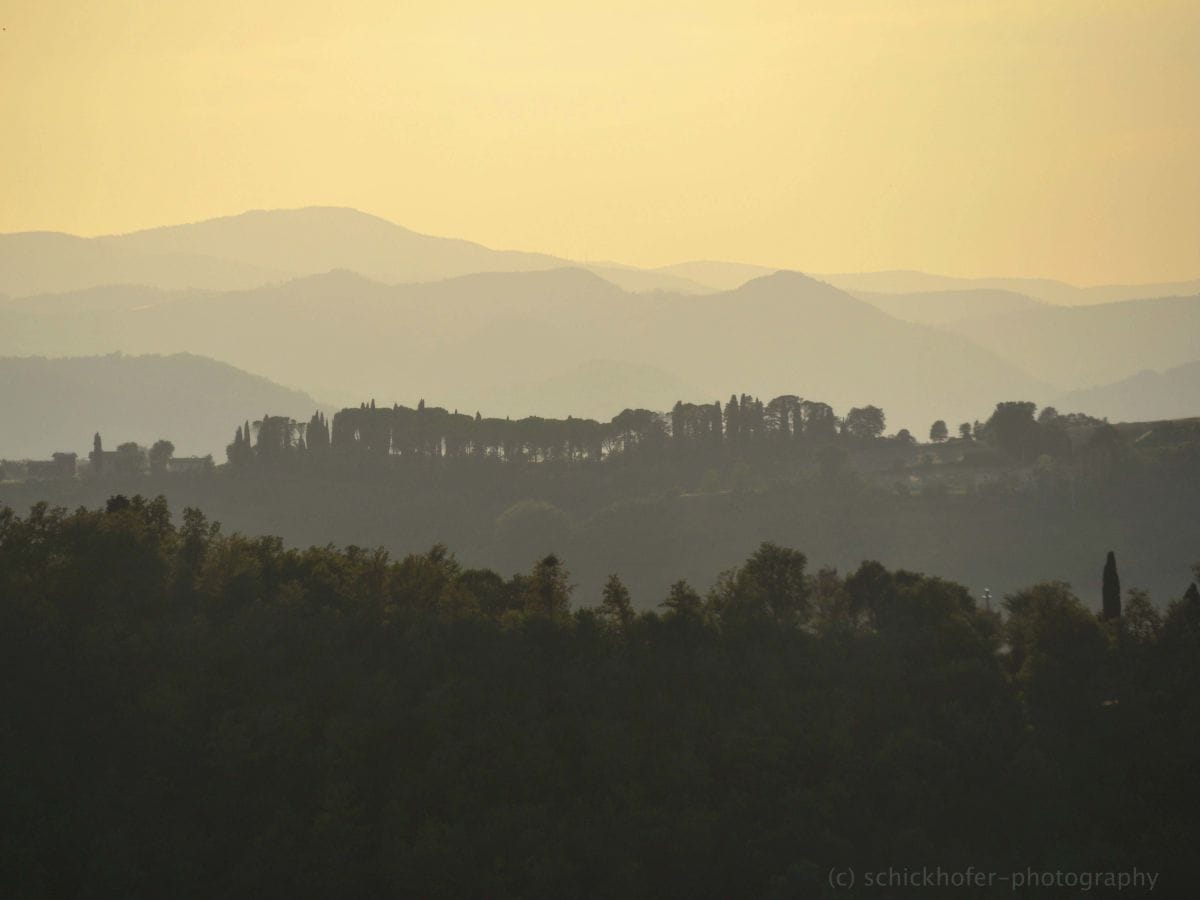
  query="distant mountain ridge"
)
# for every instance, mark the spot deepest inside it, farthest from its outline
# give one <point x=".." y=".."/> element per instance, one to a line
<point x="1145" y="396"/>
<point x="480" y="341"/>
<point x="49" y="263"/>
<point x="944" y="307"/>
<point x="720" y="275"/>
<point x="350" y="305"/>
<point x="49" y="405"/>
<point x="1079" y="346"/>
<point x="260" y="247"/>
<point x="1048" y="290"/>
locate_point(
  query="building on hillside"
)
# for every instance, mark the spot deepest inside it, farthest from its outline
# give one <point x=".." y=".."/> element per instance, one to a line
<point x="59" y="467"/>
<point x="12" y="470"/>
<point x="105" y="462"/>
<point x="190" y="465"/>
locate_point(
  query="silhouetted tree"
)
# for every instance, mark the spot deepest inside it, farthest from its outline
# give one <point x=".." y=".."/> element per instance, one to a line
<point x="1012" y="428"/>
<point x="770" y="583"/>
<point x="682" y="600"/>
<point x="239" y="453"/>
<point x="1111" y="588"/>
<point x="1047" y="415"/>
<point x="160" y="455"/>
<point x="865" y="423"/>
<point x="732" y="421"/>
<point x="616" y="605"/>
<point x="317" y="434"/>
<point x="548" y="592"/>
<point x="820" y="423"/>
<point x="938" y="431"/>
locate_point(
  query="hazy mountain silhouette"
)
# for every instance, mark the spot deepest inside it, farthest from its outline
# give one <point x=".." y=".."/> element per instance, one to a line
<point x="1082" y="346"/>
<point x="942" y="290"/>
<point x="790" y="329"/>
<point x="316" y="239"/>
<point x="1047" y="290"/>
<point x="264" y="246"/>
<point x="716" y="275"/>
<point x="943" y="307"/>
<point x="48" y="405"/>
<point x="111" y="297"/>
<point x="50" y="262"/>
<point x="1145" y="396"/>
<point x="480" y="342"/>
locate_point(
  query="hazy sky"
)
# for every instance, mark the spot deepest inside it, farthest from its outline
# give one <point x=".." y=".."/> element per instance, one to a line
<point x="971" y="138"/>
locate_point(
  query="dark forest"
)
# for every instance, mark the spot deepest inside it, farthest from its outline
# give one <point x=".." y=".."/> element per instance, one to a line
<point x="194" y="713"/>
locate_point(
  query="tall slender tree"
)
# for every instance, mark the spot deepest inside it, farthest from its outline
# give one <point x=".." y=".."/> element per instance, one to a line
<point x="1112" y="588"/>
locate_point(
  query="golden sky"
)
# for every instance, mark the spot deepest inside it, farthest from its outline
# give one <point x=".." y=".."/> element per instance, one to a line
<point x="1045" y="138"/>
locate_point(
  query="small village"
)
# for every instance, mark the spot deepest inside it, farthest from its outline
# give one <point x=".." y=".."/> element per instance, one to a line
<point x="128" y="459"/>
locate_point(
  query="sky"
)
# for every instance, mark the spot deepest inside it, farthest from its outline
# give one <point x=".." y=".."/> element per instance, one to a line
<point x="1050" y="139"/>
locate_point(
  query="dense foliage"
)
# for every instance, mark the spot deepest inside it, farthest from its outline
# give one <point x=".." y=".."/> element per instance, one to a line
<point x="193" y="714"/>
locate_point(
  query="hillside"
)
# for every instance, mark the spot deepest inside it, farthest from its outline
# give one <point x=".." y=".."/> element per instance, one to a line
<point x="1078" y="347"/>
<point x="1147" y="395"/>
<point x="480" y="341"/>
<point x="48" y="405"/>
<point x="51" y="263"/>
<point x="943" y="307"/>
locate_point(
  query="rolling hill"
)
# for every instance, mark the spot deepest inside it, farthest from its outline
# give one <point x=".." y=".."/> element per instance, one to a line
<point x="943" y="307"/>
<point x="1144" y="396"/>
<point x="48" y="405"/>
<point x="1081" y="346"/>
<point x="52" y="263"/>
<point x="480" y="341"/>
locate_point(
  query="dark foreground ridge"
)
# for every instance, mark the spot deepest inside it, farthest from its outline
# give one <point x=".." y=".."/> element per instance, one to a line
<point x="193" y="714"/>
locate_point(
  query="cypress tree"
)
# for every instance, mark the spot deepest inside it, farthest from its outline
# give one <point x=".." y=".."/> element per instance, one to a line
<point x="1112" y="588"/>
<point x="732" y="423"/>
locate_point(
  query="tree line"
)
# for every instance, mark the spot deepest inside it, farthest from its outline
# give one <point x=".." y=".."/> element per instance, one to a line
<point x="744" y="424"/>
<point x="435" y="433"/>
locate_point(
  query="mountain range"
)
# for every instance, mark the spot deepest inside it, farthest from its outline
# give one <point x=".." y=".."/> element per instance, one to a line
<point x="263" y="246"/>
<point x="480" y="341"/>
<point x="349" y="307"/>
